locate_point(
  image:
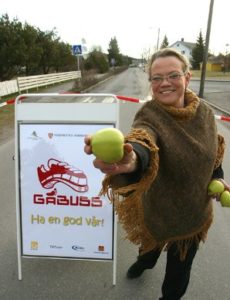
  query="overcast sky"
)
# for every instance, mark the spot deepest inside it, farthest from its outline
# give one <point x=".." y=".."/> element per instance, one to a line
<point x="135" y="24"/>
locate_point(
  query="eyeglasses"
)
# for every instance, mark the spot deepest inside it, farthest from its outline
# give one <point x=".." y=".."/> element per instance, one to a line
<point x="172" y="77"/>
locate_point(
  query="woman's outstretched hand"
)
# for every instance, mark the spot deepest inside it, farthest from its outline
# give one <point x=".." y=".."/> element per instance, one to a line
<point x="127" y="164"/>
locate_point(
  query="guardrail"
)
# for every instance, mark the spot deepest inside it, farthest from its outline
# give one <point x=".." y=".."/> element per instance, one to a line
<point x="30" y="82"/>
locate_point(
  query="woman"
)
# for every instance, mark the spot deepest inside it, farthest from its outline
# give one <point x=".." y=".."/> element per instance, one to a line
<point x="171" y="154"/>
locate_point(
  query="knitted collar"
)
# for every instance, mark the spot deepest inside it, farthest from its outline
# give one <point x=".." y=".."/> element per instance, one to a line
<point x="192" y="102"/>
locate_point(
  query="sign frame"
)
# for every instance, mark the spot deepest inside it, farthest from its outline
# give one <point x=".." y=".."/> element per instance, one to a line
<point x="62" y="113"/>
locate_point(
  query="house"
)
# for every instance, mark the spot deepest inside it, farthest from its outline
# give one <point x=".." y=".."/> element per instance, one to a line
<point x="215" y="63"/>
<point x="184" y="48"/>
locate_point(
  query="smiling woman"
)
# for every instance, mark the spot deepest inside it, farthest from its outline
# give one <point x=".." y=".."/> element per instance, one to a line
<point x="169" y="75"/>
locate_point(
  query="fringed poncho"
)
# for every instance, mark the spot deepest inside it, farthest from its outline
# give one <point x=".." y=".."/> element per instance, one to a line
<point x="169" y="204"/>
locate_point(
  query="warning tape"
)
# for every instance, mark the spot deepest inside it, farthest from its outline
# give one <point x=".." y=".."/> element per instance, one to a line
<point x="10" y="101"/>
<point x="222" y="118"/>
<point x="217" y="117"/>
<point x="130" y="99"/>
<point x="3" y="104"/>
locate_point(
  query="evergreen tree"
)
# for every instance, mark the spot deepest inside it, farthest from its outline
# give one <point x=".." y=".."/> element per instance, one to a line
<point x="114" y="56"/>
<point x="198" y="52"/>
<point x="31" y="49"/>
<point x="63" y="60"/>
<point x="165" y="43"/>
<point x="47" y="41"/>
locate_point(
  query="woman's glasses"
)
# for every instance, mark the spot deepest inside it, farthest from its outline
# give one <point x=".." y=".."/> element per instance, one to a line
<point x="172" y="77"/>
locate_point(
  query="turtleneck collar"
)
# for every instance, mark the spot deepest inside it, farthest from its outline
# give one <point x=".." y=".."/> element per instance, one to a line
<point x="191" y="101"/>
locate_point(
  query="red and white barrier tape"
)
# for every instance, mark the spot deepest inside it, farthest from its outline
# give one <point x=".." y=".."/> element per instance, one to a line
<point x="130" y="99"/>
<point x="3" y="104"/>
<point x="222" y="118"/>
<point x="217" y="117"/>
<point x="10" y="101"/>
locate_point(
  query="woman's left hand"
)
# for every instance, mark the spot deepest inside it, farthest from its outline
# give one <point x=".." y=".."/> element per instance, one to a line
<point x="226" y="185"/>
<point x="226" y="188"/>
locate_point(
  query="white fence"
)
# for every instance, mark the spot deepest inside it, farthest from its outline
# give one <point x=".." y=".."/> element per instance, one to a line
<point x="8" y="87"/>
<point x="30" y="82"/>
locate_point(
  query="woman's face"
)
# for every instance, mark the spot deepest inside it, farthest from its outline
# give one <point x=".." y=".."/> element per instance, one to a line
<point x="168" y="81"/>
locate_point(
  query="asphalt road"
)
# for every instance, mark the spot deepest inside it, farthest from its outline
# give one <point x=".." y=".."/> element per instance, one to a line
<point x="85" y="280"/>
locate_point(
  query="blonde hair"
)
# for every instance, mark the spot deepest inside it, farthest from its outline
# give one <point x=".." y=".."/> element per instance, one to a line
<point x="165" y="52"/>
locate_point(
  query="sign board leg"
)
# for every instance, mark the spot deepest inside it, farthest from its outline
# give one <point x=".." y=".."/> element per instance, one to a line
<point x="19" y="268"/>
<point x="19" y="254"/>
<point x="115" y="252"/>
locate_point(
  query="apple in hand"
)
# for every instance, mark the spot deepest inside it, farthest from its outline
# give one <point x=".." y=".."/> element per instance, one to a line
<point x="215" y="187"/>
<point x="225" y="199"/>
<point x="108" y="145"/>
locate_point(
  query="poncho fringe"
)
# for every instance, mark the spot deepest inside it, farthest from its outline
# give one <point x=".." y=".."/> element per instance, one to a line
<point x="220" y="151"/>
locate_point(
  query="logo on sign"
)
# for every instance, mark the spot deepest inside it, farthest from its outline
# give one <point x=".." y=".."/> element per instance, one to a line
<point x="34" y="245"/>
<point x="59" y="171"/>
<point x="101" y="248"/>
<point x="50" y="135"/>
<point x="78" y="248"/>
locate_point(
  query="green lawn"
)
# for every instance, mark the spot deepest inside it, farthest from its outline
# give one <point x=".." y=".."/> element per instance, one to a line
<point x="210" y="74"/>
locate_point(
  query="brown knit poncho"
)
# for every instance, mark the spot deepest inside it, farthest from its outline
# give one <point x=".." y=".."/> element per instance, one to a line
<point x="170" y="202"/>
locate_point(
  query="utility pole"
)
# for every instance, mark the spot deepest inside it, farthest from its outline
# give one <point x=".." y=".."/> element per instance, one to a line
<point x="226" y="59"/>
<point x="205" y="57"/>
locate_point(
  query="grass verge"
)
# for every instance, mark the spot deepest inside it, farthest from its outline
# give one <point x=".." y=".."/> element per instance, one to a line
<point x="6" y="122"/>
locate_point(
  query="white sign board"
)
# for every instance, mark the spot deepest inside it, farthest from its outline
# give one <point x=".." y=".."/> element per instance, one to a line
<point x="62" y="214"/>
<point x="59" y="211"/>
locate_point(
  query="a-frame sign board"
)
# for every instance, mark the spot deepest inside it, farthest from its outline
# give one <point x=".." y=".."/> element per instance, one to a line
<point x="59" y="211"/>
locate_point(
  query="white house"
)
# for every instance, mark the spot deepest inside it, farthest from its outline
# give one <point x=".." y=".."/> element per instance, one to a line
<point x="184" y="48"/>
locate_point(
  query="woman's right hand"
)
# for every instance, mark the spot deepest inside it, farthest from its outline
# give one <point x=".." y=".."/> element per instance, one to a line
<point x="127" y="164"/>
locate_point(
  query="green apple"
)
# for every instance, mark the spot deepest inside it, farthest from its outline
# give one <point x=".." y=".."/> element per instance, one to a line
<point x="108" y="145"/>
<point x="215" y="187"/>
<point x="225" y="199"/>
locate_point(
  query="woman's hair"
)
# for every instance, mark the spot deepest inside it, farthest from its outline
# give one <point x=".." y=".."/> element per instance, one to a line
<point x="165" y="52"/>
